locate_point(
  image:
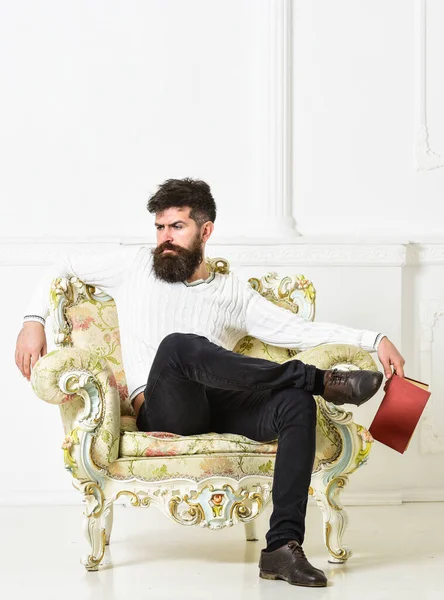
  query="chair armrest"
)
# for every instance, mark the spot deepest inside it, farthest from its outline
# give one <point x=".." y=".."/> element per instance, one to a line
<point x="68" y="374"/>
<point x="330" y="356"/>
<point x="356" y="439"/>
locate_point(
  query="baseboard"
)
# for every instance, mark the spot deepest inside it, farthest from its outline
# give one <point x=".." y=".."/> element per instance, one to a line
<point x="423" y="496"/>
<point x="37" y="498"/>
<point x="369" y="498"/>
<point x="389" y="498"/>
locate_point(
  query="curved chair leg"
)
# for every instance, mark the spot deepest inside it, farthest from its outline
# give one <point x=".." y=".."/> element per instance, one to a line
<point x="108" y="518"/>
<point x="335" y="518"/>
<point x="96" y="514"/>
<point x="250" y="531"/>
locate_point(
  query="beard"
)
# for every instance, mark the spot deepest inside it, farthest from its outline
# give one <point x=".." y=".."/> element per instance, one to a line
<point x="177" y="266"/>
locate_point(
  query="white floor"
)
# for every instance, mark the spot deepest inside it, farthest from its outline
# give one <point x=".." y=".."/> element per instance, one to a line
<point x="398" y="554"/>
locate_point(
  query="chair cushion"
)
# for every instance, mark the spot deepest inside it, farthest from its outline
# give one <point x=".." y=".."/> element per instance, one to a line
<point x="139" y="444"/>
<point x="195" y="467"/>
<point x="134" y="443"/>
<point x="161" y="443"/>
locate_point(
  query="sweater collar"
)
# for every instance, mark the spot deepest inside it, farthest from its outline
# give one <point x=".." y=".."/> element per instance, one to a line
<point x="200" y="281"/>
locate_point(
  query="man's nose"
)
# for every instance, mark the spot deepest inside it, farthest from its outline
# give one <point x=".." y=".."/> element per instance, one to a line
<point x="166" y="236"/>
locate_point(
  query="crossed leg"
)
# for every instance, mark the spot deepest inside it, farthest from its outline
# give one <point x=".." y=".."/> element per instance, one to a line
<point x="196" y="387"/>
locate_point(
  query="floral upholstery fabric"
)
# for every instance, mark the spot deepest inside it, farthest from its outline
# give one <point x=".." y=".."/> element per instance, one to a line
<point x="95" y="328"/>
<point x="253" y="347"/>
<point x="195" y="467"/>
<point x="159" y="443"/>
<point x="134" y="443"/>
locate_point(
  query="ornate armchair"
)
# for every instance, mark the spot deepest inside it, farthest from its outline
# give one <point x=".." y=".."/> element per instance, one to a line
<point x="212" y="480"/>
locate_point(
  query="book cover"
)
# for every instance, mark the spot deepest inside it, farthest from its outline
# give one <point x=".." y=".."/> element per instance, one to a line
<point x="399" y="412"/>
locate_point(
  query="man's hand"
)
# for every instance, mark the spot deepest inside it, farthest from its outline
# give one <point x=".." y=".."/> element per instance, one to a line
<point x="388" y="356"/>
<point x="31" y="344"/>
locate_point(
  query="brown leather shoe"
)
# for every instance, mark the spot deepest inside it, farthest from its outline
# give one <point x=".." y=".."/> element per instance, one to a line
<point x="351" y="387"/>
<point x="290" y="564"/>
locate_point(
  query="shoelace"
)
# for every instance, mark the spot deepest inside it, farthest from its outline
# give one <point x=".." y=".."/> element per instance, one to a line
<point x="338" y="377"/>
<point x="297" y="549"/>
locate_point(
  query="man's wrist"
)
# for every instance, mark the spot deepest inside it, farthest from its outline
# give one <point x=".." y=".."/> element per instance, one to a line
<point x="136" y="393"/>
<point x="33" y="319"/>
<point x="378" y="340"/>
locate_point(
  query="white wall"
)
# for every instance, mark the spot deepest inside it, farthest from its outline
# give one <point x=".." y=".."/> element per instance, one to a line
<point x="357" y="116"/>
<point x="103" y="101"/>
<point x="106" y="100"/>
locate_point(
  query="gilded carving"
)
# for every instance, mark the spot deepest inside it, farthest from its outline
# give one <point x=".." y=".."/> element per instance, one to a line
<point x="218" y="265"/>
<point x="332" y="489"/>
<point x="364" y="451"/>
<point x="340" y="554"/>
<point x="296" y="293"/>
<point x="135" y="499"/>
<point x="92" y="489"/>
<point x="194" y="515"/>
<point x="67" y="446"/>
<point x="92" y="561"/>
<point x="218" y="507"/>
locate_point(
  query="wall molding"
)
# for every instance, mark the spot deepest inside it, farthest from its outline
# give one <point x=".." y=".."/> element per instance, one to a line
<point x="248" y="252"/>
<point x="270" y="210"/>
<point x="426" y="158"/>
<point x="425" y="254"/>
<point x="28" y="252"/>
<point x="312" y="254"/>
<point x="430" y="312"/>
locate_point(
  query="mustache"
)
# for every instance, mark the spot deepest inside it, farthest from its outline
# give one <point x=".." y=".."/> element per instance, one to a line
<point x="167" y="246"/>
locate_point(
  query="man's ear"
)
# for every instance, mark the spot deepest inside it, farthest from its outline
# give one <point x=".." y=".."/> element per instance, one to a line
<point x="207" y="230"/>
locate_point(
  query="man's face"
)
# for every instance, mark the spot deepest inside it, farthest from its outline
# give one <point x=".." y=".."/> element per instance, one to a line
<point x="179" y="250"/>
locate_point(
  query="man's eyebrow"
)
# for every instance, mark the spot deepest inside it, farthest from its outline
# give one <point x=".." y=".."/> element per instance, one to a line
<point x="171" y="224"/>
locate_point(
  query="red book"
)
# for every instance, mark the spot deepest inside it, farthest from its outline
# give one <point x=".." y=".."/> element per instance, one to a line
<point x="399" y="412"/>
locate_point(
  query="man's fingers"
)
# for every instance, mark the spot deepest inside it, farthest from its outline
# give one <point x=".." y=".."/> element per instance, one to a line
<point x="389" y="356"/>
<point x="19" y="361"/>
<point x="387" y="369"/>
<point x="34" y="359"/>
<point x="22" y="365"/>
<point x="399" y="370"/>
<point x="26" y="372"/>
<point x="27" y="361"/>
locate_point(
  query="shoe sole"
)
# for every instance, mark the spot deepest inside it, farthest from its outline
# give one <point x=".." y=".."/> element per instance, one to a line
<point x="274" y="576"/>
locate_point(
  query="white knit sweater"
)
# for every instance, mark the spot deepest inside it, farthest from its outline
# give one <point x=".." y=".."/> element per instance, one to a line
<point x="222" y="308"/>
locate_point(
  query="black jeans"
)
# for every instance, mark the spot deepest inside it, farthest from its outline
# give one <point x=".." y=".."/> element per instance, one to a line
<point x="195" y="386"/>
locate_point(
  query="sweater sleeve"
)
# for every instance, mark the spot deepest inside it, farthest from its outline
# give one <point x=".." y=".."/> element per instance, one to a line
<point x="106" y="271"/>
<point x="280" y="327"/>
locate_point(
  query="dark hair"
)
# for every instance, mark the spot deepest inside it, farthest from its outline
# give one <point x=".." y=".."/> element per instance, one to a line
<point x="176" y="193"/>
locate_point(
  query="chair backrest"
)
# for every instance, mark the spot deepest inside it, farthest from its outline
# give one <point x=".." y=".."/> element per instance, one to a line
<point x="84" y="317"/>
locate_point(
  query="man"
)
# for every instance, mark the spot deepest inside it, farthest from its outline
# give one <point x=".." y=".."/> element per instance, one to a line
<point x="179" y="323"/>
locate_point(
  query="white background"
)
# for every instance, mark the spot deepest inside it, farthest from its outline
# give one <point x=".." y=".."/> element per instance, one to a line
<point x="102" y="101"/>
